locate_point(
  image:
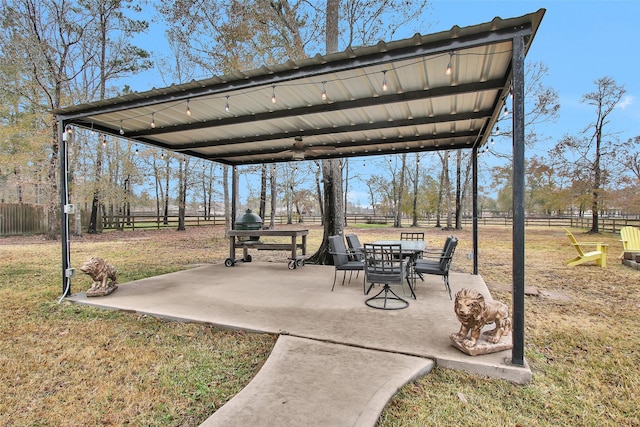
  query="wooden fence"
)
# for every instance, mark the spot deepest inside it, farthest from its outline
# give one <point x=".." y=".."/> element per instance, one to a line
<point x="607" y="224"/>
<point x="19" y="218"/>
<point x="16" y="219"/>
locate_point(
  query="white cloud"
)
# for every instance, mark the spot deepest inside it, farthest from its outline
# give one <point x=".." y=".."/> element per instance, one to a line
<point x="626" y="101"/>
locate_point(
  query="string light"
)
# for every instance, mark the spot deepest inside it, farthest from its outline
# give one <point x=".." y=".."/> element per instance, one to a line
<point x="91" y="128"/>
<point x="506" y="111"/>
<point x="449" y="66"/>
<point x="162" y="154"/>
<point x="153" y="121"/>
<point x="226" y="106"/>
<point x="121" y="129"/>
<point x="324" y="92"/>
<point x="188" y="109"/>
<point x="273" y="94"/>
<point x="137" y="151"/>
<point x="104" y="141"/>
<point x="385" y="85"/>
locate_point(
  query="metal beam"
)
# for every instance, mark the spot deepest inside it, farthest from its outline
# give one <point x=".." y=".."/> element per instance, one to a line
<point x="63" y="156"/>
<point x="474" y="178"/>
<point x="343" y="106"/>
<point x="517" y="355"/>
<point x="309" y="69"/>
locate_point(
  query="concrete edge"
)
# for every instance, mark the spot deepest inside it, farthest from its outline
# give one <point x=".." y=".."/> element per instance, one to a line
<point x="371" y="412"/>
<point x="516" y="374"/>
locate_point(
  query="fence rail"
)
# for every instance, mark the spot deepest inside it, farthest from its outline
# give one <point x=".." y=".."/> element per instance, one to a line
<point x="16" y="219"/>
<point x="609" y="224"/>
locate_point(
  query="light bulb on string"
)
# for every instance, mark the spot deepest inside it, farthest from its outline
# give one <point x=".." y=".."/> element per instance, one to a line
<point x="273" y="94"/>
<point x="226" y="105"/>
<point x="324" y="92"/>
<point x="137" y="151"/>
<point x="188" y="109"/>
<point x="385" y="85"/>
<point x="449" y="66"/>
<point x="153" y="121"/>
<point x="162" y="154"/>
<point x="104" y="141"/>
<point x="91" y="128"/>
<point x="121" y="129"/>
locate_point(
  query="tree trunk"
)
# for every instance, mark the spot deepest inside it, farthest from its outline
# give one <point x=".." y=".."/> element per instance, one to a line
<point x="263" y="191"/>
<point x="227" y="200"/>
<point x="319" y="191"/>
<point x="414" y="223"/>
<point x="182" y="194"/>
<point x="595" y="207"/>
<point x="331" y="172"/>
<point x="273" y="185"/>
<point x="458" y="207"/>
<point x="346" y="188"/>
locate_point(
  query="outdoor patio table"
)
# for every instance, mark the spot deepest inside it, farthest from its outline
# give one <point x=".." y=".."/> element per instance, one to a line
<point x="294" y="261"/>
<point x="413" y="249"/>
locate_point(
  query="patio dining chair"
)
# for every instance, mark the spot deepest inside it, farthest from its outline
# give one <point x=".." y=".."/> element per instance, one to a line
<point x="384" y="264"/>
<point x="355" y="247"/>
<point x="411" y="235"/>
<point x="419" y="235"/>
<point x="439" y="265"/>
<point x="342" y="261"/>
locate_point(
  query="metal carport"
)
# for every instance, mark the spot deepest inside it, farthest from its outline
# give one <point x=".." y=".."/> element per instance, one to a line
<point x="441" y="91"/>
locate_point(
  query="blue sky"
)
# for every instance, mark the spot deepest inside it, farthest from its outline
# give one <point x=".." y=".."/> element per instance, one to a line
<point x="580" y="41"/>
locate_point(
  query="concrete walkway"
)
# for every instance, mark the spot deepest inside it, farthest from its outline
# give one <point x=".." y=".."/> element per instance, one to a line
<point x="337" y="362"/>
<point x="310" y="383"/>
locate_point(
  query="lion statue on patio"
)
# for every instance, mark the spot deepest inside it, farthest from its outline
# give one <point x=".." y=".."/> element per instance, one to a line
<point x="103" y="274"/>
<point x="474" y="313"/>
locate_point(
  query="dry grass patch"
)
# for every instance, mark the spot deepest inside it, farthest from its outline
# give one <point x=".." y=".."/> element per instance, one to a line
<point x="65" y="364"/>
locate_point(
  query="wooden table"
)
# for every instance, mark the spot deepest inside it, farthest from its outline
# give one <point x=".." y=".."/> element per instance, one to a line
<point x="293" y="246"/>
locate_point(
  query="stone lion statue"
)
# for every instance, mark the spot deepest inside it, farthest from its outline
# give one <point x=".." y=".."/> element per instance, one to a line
<point x="474" y="313"/>
<point x="103" y="274"/>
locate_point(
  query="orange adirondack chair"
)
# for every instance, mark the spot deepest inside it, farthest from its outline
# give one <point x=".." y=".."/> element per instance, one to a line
<point x="599" y="255"/>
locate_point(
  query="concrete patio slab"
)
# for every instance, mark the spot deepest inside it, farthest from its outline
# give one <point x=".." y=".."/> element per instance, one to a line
<point x="268" y="297"/>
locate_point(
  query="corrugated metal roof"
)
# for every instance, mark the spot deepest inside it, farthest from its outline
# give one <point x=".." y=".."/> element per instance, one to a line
<point x="423" y="109"/>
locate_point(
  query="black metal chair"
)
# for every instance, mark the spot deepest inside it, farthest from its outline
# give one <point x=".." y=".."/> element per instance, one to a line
<point x="342" y="261"/>
<point x="355" y="247"/>
<point x="384" y="264"/>
<point x="440" y="264"/>
<point x="411" y="235"/>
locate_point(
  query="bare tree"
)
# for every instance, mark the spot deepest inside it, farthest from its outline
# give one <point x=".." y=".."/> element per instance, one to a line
<point x="595" y="149"/>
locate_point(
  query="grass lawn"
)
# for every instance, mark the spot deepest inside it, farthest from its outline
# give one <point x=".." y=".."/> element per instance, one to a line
<point x="66" y="364"/>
